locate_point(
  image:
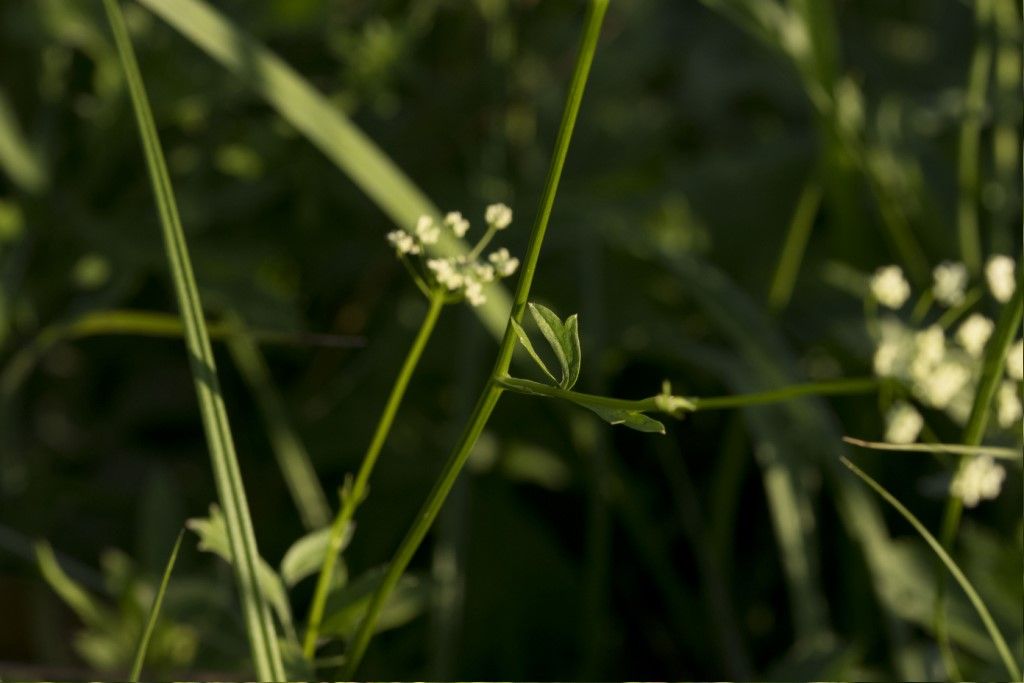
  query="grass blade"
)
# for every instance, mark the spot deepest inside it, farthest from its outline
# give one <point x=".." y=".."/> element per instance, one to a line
<point x="972" y="595"/>
<point x="154" y="612"/>
<point x="259" y="626"/>
<point x="17" y="158"/>
<point x="292" y="457"/>
<point x="953" y="448"/>
<point x="793" y="249"/>
<point x="299" y="103"/>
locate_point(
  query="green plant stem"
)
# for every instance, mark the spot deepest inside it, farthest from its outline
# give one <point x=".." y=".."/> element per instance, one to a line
<point x="230" y="490"/>
<point x="954" y="449"/>
<point x="992" y="371"/>
<point x="969" y="162"/>
<point x="838" y="387"/>
<point x="793" y="249"/>
<point x="154" y="612"/>
<point x="492" y="392"/>
<point x="986" y="617"/>
<point x="526" y="386"/>
<point x="352" y="497"/>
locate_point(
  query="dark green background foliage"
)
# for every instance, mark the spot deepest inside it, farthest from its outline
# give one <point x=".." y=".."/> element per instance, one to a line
<point x="569" y="548"/>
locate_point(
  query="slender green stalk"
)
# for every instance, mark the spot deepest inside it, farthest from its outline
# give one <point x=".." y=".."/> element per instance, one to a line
<point x="292" y="457"/>
<point x="154" y="612"/>
<point x="352" y="497"/>
<point x="796" y="243"/>
<point x="991" y="374"/>
<point x="656" y="403"/>
<point x="258" y="622"/>
<point x="954" y="448"/>
<point x="969" y="163"/>
<point x="492" y="392"/>
<point x="972" y="595"/>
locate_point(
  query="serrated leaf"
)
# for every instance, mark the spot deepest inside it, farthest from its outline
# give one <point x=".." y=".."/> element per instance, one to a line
<point x="550" y="325"/>
<point x="525" y="341"/>
<point x="571" y="344"/>
<point x="627" y="418"/>
<point x="305" y="556"/>
<point x="213" y="538"/>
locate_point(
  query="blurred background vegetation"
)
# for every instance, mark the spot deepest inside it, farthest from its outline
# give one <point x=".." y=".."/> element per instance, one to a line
<point x="734" y="547"/>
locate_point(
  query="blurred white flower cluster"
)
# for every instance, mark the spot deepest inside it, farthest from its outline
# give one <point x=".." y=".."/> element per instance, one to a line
<point x="938" y="355"/>
<point x="463" y="275"/>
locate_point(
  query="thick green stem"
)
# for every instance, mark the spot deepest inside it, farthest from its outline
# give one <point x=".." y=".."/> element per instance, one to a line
<point x="492" y="392"/>
<point x="352" y="497"/>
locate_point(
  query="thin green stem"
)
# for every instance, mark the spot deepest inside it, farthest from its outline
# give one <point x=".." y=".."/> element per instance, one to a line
<point x="481" y="245"/>
<point x="839" y="387"/>
<point x="991" y="375"/>
<point x="986" y="617"/>
<point x="969" y="162"/>
<point x="658" y="404"/>
<point x="352" y="497"/>
<point x="492" y="392"/>
<point x="796" y="244"/>
<point x="154" y="612"/>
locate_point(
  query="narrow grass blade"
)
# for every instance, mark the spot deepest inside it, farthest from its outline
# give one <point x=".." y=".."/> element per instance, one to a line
<point x="953" y="448"/>
<point x="154" y="612"/>
<point x="972" y="595"/>
<point x="259" y="625"/>
<point x="292" y="457"/>
<point x="793" y="249"/>
<point x="322" y="123"/>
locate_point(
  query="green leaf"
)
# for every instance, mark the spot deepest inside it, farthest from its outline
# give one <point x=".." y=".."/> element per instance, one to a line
<point x="213" y="538"/>
<point x="571" y="342"/>
<point x="306" y="555"/>
<point x="347" y="605"/>
<point x="239" y="534"/>
<point x="154" y="612"/>
<point x="564" y="339"/>
<point x="525" y="341"/>
<point x="627" y="418"/>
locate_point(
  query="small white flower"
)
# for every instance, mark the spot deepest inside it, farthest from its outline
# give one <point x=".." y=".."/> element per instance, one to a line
<point x="458" y="224"/>
<point x="1008" y="406"/>
<point x="980" y="479"/>
<point x="939" y="387"/>
<point x="446" y="273"/>
<point x="483" y="272"/>
<point x="403" y="242"/>
<point x="498" y="216"/>
<point x="903" y="423"/>
<point x="427" y="230"/>
<point x="475" y="292"/>
<point x="973" y="334"/>
<point x="1015" y="361"/>
<point x="1000" y="276"/>
<point x="929" y="350"/>
<point x="503" y="263"/>
<point x="895" y="348"/>
<point x="950" y="280"/>
<point x="889" y="287"/>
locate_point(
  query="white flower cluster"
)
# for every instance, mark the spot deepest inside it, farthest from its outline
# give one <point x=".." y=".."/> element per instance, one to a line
<point x="465" y="274"/>
<point x="942" y="367"/>
<point x="980" y="479"/>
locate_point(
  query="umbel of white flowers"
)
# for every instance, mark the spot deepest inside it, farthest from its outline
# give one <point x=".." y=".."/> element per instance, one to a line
<point x="466" y="274"/>
<point x="941" y="361"/>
